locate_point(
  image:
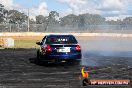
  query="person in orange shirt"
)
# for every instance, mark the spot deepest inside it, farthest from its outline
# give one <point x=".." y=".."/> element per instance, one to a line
<point x="84" y="73"/>
<point x="85" y="76"/>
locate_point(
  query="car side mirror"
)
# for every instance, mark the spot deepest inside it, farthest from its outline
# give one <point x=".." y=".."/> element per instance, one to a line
<point x="39" y="43"/>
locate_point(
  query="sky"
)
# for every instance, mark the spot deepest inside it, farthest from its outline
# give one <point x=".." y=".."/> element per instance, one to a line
<point x="110" y="9"/>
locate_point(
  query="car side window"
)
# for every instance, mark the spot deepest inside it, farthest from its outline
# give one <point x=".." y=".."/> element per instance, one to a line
<point x="43" y="40"/>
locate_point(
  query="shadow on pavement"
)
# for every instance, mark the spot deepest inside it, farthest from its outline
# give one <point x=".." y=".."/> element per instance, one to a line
<point x="66" y="64"/>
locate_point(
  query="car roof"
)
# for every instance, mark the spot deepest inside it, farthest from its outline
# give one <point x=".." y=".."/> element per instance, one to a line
<point x="53" y="35"/>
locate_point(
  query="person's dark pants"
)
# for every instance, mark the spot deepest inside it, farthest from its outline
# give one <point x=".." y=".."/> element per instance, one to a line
<point x="86" y="82"/>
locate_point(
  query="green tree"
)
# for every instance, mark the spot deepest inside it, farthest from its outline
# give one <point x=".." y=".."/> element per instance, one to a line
<point x="52" y="19"/>
<point x="3" y="13"/>
<point x="40" y="19"/>
<point x="127" y="20"/>
<point x="69" y="20"/>
<point x="90" y="19"/>
<point x="16" y="17"/>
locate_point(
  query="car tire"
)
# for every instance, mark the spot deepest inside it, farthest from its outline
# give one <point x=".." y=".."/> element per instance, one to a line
<point x="37" y="60"/>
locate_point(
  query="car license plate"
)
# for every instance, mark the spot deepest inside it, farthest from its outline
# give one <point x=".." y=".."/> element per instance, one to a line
<point x="66" y="49"/>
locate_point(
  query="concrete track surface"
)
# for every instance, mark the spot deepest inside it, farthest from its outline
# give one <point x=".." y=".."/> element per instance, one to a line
<point x="18" y="70"/>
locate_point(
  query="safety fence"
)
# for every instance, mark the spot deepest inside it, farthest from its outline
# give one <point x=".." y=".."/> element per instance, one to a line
<point x="65" y="29"/>
<point x="39" y="34"/>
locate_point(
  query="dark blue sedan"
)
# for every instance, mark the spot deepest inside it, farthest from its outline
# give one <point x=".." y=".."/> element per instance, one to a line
<point x="58" y="48"/>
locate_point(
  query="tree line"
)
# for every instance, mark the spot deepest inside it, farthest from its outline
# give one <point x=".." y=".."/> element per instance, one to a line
<point x="71" y="20"/>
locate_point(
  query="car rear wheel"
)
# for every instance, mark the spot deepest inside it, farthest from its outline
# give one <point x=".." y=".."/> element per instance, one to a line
<point x="37" y="60"/>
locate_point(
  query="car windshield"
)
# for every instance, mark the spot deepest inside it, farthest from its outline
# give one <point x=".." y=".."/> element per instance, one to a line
<point x="61" y="39"/>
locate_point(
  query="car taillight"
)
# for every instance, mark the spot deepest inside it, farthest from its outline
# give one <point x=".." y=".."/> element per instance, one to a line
<point x="78" y="48"/>
<point x="47" y="49"/>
